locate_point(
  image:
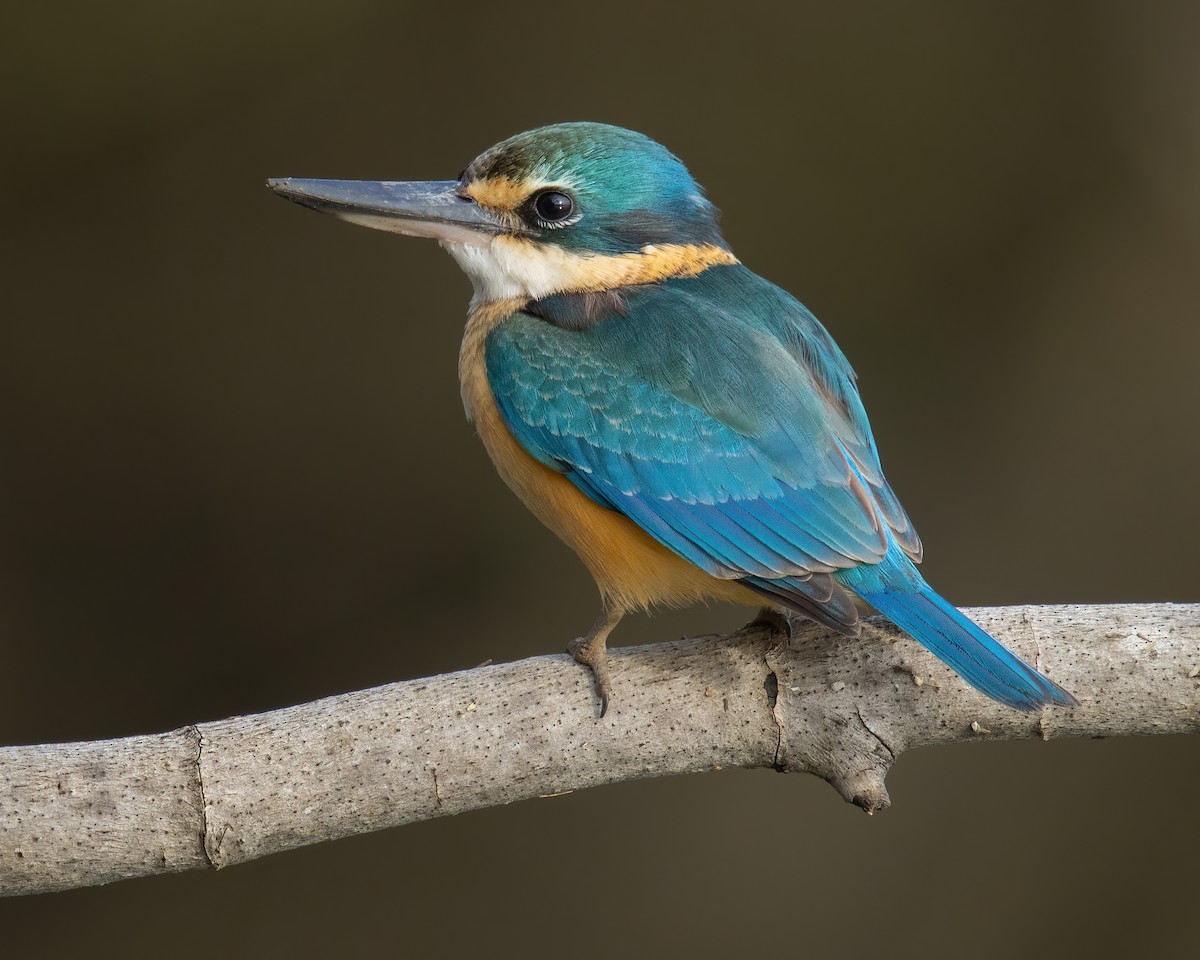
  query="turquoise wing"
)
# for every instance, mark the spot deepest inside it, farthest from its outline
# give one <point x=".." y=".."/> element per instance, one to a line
<point x="718" y="415"/>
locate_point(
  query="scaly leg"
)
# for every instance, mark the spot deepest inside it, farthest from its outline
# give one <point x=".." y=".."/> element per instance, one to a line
<point x="592" y="652"/>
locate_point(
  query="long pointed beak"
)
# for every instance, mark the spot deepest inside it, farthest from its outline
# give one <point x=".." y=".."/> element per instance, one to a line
<point x="420" y="209"/>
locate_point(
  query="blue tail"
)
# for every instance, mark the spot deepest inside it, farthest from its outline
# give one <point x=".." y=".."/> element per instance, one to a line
<point x="896" y="590"/>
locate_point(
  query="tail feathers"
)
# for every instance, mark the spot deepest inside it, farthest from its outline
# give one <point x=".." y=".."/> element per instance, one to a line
<point x="967" y="648"/>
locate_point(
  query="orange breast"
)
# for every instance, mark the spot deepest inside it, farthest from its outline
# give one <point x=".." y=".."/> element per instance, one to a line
<point x="631" y="568"/>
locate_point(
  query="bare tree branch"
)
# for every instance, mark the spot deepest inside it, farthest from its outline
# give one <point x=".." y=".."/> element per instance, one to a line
<point x="220" y="793"/>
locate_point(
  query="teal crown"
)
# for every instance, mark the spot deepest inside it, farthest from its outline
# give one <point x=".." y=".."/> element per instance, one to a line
<point x="627" y="190"/>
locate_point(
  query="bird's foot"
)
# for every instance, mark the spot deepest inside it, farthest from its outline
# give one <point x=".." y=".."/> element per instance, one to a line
<point x="594" y="656"/>
<point x="592" y="652"/>
<point x="776" y="620"/>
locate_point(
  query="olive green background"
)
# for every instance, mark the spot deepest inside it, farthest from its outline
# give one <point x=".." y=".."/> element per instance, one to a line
<point x="235" y="474"/>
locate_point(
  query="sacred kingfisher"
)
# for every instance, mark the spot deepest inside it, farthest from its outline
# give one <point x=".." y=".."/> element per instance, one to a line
<point x="688" y="428"/>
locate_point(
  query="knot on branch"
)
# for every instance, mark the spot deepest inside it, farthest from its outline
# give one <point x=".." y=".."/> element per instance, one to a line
<point x="824" y="717"/>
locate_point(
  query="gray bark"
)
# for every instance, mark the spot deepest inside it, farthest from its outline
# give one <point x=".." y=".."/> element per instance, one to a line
<point x="219" y="793"/>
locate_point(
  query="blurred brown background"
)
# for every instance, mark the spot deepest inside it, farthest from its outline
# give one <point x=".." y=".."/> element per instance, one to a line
<point x="234" y="471"/>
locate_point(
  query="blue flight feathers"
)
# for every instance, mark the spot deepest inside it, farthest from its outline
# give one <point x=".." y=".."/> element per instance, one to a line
<point x="744" y="448"/>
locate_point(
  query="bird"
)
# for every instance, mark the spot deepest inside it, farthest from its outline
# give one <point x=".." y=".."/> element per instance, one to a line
<point x="687" y="427"/>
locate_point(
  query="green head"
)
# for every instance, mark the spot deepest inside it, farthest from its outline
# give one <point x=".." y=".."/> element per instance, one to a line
<point x="573" y="206"/>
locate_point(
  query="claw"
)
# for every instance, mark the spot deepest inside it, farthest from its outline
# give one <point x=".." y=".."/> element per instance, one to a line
<point x="592" y="652"/>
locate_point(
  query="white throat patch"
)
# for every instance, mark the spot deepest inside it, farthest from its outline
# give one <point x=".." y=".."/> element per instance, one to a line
<point x="504" y="268"/>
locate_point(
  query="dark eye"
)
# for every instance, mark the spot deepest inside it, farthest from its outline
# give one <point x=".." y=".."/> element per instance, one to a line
<point x="552" y="206"/>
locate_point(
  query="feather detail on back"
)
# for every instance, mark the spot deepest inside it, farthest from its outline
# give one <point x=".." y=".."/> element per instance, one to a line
<point x="632" y="570"/>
